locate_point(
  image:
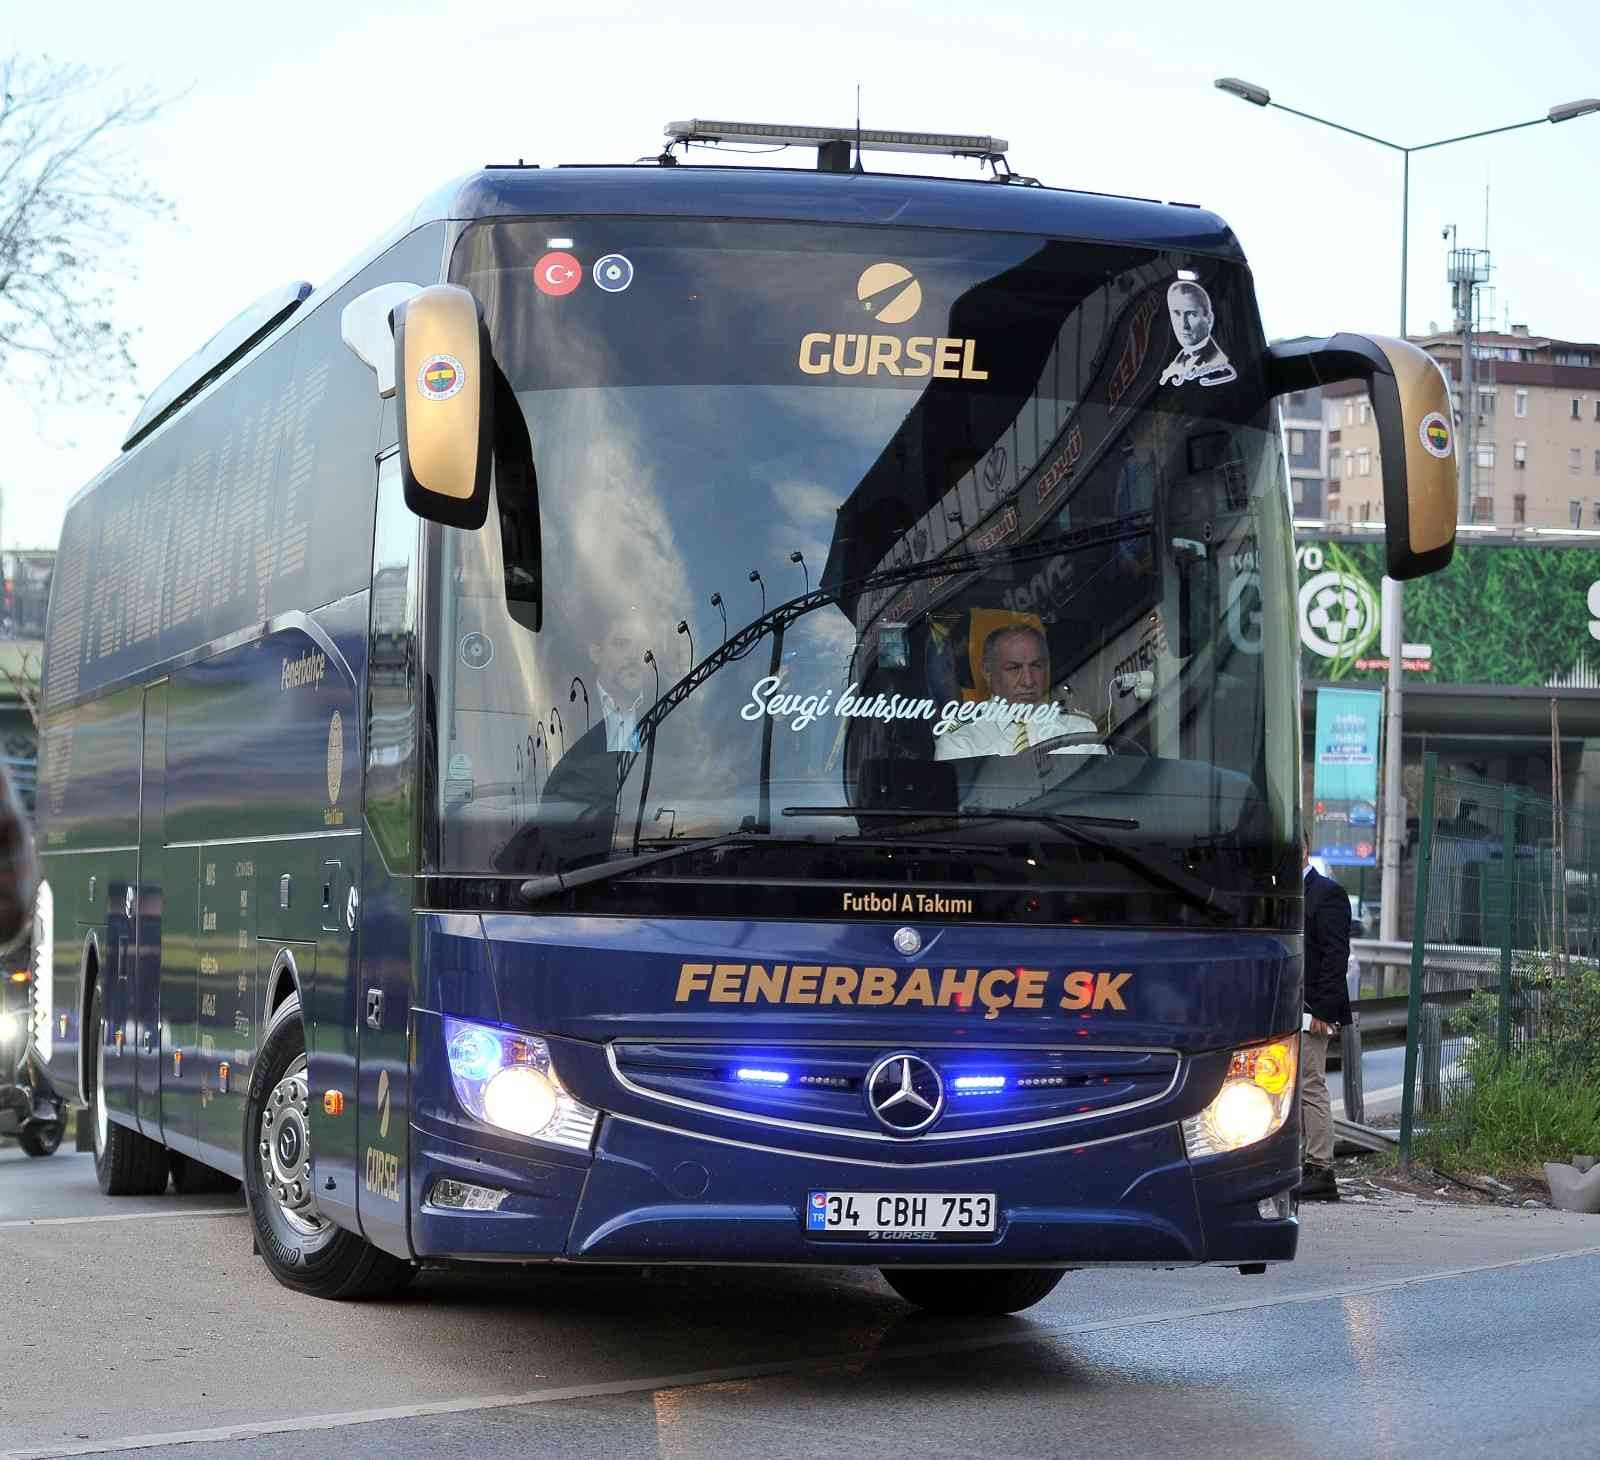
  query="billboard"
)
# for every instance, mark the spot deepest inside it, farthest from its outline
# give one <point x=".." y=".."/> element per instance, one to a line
<point x="1344" y="788"/>
<point x="1516" y="613"/>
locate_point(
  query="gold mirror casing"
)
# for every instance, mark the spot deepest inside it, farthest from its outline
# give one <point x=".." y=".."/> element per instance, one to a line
<point x="1416" y="435"/>
<point x="442" y="377"/>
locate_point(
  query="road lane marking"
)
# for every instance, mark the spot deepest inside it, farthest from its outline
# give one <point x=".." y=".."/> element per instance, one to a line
<point x="120" y="1217"/>
<point x="1036" y="1333"/>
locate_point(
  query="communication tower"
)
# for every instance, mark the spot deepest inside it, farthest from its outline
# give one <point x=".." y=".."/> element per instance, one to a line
<point x="1468" y="272"/>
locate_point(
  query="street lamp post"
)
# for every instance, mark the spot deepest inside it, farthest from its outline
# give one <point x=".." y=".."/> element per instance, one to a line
<point x="1393" y="605"/>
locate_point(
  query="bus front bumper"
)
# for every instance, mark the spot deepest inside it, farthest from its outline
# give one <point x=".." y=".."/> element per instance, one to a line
<point x="653" y="1195"/>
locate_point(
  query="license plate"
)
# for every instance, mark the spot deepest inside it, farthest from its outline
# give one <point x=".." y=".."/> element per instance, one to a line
<point x="893" y="1213"/>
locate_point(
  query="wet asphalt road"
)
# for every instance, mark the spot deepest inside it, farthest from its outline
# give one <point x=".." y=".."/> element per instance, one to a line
<point x="1406" y="1328"/>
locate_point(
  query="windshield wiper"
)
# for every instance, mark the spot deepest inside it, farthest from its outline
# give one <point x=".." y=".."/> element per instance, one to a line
<point x="1077" y="827"/>
<point x="537" y="887"/>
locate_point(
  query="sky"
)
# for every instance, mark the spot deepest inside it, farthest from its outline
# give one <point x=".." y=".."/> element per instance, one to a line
<point x="293" y="142"/>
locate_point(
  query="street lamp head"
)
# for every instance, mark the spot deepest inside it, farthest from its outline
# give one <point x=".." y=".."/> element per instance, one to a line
<point x="1245" y="91"/>
<point x="1570" y="109"/>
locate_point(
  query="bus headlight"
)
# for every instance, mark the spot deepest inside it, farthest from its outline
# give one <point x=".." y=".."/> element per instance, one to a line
<point x="1253" y="1102"/>
<point x="506" y="1079"/>
<point x="10" y="1029"/>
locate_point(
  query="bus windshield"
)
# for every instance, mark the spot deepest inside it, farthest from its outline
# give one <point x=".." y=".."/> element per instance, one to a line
<point x="924" y="560"/>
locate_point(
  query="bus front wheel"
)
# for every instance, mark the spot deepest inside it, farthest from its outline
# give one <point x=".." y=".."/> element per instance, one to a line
<point x="301" y="1248"/>
<point x="973" y="1291"/>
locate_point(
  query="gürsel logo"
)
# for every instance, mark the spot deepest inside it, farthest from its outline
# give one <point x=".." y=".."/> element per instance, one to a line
<point x="889" y="292"/>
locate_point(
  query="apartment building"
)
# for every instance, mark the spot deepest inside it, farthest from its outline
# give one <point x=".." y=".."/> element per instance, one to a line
<point x="1535" y="433"/>
<point x="1306" y="439"/>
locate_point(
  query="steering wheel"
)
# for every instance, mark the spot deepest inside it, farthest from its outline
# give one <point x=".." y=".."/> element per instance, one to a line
<point x="1116" y="743"/>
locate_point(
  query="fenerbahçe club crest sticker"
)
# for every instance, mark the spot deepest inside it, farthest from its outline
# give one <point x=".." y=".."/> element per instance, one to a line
<point x="1435" y="434"/>
<point x="440" y="378"/>
<point x="335" y="757"/>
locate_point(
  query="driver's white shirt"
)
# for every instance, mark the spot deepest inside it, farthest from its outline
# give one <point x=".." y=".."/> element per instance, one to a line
<point x="992" y="737"/>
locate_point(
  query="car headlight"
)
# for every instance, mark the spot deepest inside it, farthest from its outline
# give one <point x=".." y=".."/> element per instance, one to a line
<point x="1253" y="1102"/>
<point x="10" y="1028"/>
<point x="506" y="1079"/>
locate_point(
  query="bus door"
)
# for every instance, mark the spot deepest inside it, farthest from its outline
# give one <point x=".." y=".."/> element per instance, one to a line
<point x="384" y="993"/>
<point x="145" y="963"/>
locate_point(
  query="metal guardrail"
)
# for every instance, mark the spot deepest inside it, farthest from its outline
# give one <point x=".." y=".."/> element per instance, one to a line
<point x="1382" y="1017"/>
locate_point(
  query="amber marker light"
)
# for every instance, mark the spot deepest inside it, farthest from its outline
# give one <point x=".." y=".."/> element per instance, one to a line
<point x="22" y="975"/>
<point x="333" y="1102"/>
<point x="1269" y="1066"/>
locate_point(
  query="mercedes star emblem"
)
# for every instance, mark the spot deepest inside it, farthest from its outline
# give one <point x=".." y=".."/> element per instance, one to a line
<point x="908" y="941"/>
<point x="905" y="1093"/>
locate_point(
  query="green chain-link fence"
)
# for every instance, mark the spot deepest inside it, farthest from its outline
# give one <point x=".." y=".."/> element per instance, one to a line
<point x="1506" y="938"/>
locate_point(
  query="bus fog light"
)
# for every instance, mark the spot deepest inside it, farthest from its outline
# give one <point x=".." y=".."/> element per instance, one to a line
<point x="1253" y="1103"/>
<point x="506" y="1079"/>
<point x="1276" y="1208"/>
<point x="463" y="1196"/>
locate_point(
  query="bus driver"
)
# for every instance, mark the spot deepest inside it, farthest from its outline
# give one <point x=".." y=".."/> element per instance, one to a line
<point x="1016" y="663"/>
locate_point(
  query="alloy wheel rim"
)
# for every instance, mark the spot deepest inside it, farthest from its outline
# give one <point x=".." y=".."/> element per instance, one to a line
<point x="283" y="1149"/>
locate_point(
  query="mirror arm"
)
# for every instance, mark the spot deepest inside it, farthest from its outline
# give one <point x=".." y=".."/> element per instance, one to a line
<point x="1306" y="363"/>
<point x="366" y="325"/>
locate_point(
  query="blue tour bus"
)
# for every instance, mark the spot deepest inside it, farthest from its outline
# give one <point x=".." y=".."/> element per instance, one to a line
<point x="695" y="714"/>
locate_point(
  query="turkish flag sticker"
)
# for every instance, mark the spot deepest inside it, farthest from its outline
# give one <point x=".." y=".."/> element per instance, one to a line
<point x="557" y="273"/>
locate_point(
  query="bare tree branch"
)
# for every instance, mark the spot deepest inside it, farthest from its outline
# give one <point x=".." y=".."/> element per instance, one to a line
<point x="25" y="687"/>
<point x="70" y="197"/>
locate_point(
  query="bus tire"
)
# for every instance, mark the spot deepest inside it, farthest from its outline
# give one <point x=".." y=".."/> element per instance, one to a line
<point x="125" y="1162"/>
<point x="195" y="1178"/>
<point x="302" y="1250"/>
<point x="44" y="1137"/>
<point x="973" y="1291"/>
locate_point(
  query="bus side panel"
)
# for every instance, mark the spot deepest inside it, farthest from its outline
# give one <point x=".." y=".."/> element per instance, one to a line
<point x="225" y="992"/>
<point x="142" y="1045"/>
<point x="89" y="794"/>
<point x="180" y="954"/>
<point x="264" y="779"/>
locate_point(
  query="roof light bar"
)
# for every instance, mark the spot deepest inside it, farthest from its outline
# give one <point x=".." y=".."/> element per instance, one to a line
<point x="956" y="144"/>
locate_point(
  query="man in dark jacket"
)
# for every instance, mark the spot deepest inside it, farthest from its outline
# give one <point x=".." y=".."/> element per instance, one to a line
<point x="1327" y="999"/>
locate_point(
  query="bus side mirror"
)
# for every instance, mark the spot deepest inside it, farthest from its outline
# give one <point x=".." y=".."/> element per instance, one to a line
<point x="444" y="388"/>
<point x="1416" y="435"/>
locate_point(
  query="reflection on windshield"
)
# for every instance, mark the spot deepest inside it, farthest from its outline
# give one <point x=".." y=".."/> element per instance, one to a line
<point x="1058" y="589"/>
